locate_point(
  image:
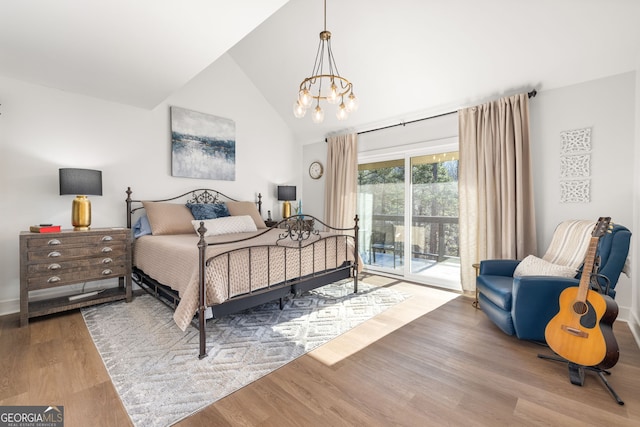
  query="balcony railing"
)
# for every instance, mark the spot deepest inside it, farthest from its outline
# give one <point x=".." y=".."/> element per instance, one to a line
<point x="432" y="237"/>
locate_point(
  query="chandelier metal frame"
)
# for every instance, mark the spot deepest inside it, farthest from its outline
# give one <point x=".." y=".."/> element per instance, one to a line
<point x="335" y="88"/>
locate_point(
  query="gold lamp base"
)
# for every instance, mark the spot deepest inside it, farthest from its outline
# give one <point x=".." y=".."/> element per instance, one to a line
<point x="286" y="209"/>
<point x="81" y="213"/>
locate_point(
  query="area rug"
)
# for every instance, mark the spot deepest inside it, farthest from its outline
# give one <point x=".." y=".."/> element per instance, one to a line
<point x="155" y="367"/>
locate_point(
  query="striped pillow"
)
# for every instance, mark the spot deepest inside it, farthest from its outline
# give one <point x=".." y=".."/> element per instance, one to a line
<point x="569" y="243"/>
<point x="226" y="225"/>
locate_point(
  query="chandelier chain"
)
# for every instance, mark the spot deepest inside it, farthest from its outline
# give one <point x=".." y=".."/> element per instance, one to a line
<point x="325" y="15"/>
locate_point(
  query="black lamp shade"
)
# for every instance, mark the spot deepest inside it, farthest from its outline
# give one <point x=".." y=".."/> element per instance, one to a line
<point x="80" y="182"/>
<point x="286" y="192"/>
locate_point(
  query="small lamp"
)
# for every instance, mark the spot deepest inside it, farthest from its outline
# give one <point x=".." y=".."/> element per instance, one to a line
<point x="80" y="182"/>
<point x="286" y="193"/>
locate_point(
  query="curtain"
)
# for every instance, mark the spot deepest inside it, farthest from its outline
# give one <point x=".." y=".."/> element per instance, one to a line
<point x="497" y="217"/>
<point x="341" y="187"/>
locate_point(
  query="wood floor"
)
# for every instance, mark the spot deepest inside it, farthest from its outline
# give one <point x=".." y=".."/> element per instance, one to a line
<point x="450" y="366"/>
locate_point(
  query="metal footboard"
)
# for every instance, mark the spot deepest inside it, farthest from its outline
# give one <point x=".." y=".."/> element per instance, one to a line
<point x="298" y="233"/>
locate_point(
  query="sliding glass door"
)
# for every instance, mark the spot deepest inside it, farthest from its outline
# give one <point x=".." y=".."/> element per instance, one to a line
<point x="409" y="217"/>
<point x="433" y="238"/>
<point x="381" y="204"/>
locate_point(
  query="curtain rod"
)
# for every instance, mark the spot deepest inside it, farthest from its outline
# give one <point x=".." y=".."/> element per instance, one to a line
<point x="531" y="94"/>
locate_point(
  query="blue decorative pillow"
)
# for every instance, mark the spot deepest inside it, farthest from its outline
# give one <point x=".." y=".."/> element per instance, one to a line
<point x="202" y="211"/>
<point x="141" y="227"/>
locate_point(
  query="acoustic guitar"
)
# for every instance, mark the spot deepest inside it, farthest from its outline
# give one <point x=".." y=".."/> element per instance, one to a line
<point x="582" y="332"/>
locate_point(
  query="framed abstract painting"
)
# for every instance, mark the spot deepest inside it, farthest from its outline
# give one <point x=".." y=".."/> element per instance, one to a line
<point x="202" y="146"/>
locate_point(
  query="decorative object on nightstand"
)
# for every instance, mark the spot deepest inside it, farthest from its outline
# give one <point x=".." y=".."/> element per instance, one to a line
<point x="269" y="222"/>
<point x="44" y="228"/>
<point x="52" y="260"/>
<point x="316" y="170"/>
<point x="80" y="182"/>
<point x="286" y="193"/>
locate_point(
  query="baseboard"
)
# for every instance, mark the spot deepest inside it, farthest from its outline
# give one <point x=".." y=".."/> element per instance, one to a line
<point x="9" y="306"/>
<point x="634" y="325"/>
<point x="623" y="314"/>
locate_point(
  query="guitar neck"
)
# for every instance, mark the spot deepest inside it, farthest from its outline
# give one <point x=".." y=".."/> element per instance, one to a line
<point x="585" y="279"/>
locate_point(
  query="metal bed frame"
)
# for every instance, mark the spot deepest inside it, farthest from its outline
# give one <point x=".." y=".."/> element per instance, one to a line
<point x="298" y="232"/>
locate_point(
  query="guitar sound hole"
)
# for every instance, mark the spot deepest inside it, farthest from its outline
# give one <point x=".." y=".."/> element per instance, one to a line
<point x="580" y="308"/>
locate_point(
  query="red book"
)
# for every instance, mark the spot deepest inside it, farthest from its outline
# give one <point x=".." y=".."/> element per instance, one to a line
<point x="44" y="228"/>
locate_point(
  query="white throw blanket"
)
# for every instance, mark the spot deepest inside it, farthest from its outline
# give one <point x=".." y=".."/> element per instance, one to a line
<point x="569" y="243"/>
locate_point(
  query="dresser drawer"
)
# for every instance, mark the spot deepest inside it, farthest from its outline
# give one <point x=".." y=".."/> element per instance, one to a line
<point x="61" y="240"/>
<point x="55" y="266"/>
<point x="64" y="277"/>
<point x="68" y="252"/>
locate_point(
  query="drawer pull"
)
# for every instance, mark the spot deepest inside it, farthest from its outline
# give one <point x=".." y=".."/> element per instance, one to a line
<point x="54" y="242"/>
<point x="106" y="238"/>
<point x="106" y="249"/>
<point x="53" y="279"/>
<point x="107" y="261"/>
<point x="54" y="267"/>
<point x="106" y="272"/>
<point x="54" y="254"/>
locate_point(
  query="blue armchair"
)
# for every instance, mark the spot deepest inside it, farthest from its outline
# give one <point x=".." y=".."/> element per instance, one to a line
<point x="523" y="306"/>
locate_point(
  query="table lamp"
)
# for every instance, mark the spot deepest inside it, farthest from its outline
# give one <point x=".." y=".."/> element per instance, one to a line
<point x="80" y="182"/>
<point x="286" y="193"/>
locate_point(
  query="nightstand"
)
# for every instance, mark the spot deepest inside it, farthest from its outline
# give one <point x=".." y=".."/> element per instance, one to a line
<point x="51" y="260"/>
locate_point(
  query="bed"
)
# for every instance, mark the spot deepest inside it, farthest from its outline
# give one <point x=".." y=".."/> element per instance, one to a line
<point x="203" y="252"/>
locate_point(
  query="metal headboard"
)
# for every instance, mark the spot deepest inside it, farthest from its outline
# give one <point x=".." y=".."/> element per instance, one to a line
<point x="200" y="195"/>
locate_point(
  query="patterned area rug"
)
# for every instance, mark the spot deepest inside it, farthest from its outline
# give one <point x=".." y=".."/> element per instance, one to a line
<point x="155" y="368"/>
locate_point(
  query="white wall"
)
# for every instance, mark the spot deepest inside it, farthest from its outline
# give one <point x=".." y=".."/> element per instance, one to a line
<point x="426" y="132"/>
<point x="607" y="107"/>
<point x="43" y="129"/>
<point x="634" y="317"/>
<point x="313" y="189"/>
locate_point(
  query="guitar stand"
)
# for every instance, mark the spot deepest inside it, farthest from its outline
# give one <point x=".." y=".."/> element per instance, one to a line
<point x="576" y="374"/>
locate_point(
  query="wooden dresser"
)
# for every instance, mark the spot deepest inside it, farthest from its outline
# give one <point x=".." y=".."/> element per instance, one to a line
<point x="51" y="260"/>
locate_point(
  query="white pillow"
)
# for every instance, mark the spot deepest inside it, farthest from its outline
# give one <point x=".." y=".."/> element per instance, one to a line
<point x="534" y="266"/>
<point x="226" y="225"/>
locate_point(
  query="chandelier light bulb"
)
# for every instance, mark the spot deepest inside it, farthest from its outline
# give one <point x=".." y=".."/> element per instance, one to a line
<point x="318" y="115"/>
<point x="333" y="94"/>
<point x="298" y="110"/>
<point x="342" y="112"/>
<point x="305" y="98"/>
<point x="352" y="103"/>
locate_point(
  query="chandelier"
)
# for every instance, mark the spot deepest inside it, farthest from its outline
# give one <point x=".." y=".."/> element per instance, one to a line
<point x="331" y="87"/>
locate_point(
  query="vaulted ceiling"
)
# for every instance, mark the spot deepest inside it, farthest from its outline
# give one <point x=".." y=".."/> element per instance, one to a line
<point x="135" y="52"/>
<point x="406" y="58"/>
